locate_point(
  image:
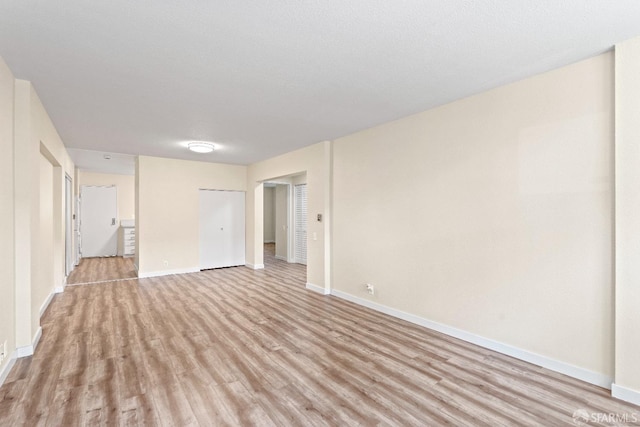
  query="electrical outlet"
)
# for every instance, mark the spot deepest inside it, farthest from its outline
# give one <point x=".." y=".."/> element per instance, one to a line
<point x="3" y="351"/>
<point x="370" y="288"/>
<point x="166" y="263"/>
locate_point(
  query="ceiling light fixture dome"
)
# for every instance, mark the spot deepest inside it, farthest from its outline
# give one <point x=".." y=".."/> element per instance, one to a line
<point x="201" y="147"/>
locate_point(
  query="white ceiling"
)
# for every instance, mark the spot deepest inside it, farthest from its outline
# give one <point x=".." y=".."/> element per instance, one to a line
<point x="103" y="161"/>
<point x="263" y="78"/>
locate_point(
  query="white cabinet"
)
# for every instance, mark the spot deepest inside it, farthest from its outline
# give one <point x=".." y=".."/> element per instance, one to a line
<point x="127" y="241"/>
<point x="222" y="229"/>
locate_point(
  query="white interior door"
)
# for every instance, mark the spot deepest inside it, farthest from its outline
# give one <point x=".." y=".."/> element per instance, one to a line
<point x="222" y="229"/>
<point x="98" y="223"/>
<point x="300" y="223"/>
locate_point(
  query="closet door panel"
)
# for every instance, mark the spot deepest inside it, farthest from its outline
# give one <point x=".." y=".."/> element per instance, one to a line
<point x="236" y="224"/>
<point x="222" y="229"/>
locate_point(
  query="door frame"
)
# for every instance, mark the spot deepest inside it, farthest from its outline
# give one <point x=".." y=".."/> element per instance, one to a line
<point x="69" y="259"/>
<point x="290" y="215"/>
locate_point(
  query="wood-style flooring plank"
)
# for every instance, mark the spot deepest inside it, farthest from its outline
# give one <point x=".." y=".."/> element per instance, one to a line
<point x="102" y="269"/>
<point x="236" y="346"/>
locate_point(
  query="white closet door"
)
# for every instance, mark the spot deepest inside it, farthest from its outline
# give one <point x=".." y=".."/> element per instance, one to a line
<point x="222" y="228"/>
<point x="98" y="223"/>
<point x="300" y="223"/>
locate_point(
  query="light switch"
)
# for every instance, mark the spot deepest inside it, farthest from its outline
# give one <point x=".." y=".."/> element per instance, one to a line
<point x="315" y="236"/>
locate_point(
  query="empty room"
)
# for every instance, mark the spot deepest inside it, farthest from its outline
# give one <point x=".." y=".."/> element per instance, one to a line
<point x="416" y="213"/>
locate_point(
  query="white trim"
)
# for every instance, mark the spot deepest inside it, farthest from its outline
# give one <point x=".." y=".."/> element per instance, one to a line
<point x="60" y="289"/>
<point x="25" y="351"/>
<point x="166" y="272"/>
<point x="316" y="288"/>
<point x="36" y="338"/>
<point x="626" y="394"/>
<point x="28" y="350"/>
<point x="4" y="372"/>
<point x="282" y="258"/>
<point x="255" y="266"/>
<point x="586" y="375"/>
<point x="46" y="303"/>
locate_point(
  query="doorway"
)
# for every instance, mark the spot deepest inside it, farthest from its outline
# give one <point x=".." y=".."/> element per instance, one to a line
<point x="285" y="218"/>
<point x="98" y="221"/>
<point x="276" y="220"/>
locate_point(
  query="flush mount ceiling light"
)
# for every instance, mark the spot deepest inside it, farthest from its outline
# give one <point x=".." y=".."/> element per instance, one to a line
<point x="201" y="147"/>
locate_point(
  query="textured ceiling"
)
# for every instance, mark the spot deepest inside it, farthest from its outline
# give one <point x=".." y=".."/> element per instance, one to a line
<point x="263" y="78"/>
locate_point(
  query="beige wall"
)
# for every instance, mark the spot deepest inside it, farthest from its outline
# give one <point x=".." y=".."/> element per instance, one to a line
<point x="43" y="283"/>
<point x="167" y="210"/>
<point x="35" y="134"/>
<point x="315" y="160"/>
<point x="7" y="258"/>
<point x="27" y="206"/>
<point x="125" y="185"/>
<point x="492" y="215"/>
<point x="299" y="179"/>
<point x="627" y="373"/>
<point x="269" y="210"/>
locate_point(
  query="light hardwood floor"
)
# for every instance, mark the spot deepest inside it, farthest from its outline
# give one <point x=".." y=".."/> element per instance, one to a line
<point x="241" y="347"/>
<point x="95" y="270"/>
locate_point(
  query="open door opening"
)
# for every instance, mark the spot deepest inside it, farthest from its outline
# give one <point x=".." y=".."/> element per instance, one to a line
<point x="277" y="217"/>
<point x="285" y="220"/>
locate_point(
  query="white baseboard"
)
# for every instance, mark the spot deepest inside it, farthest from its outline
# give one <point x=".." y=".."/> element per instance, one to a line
<point x="36" y="339"/>
<point x="25" y="351"/>
<point x="56" y="290"/>
<point x="4" y="372"/>
<point x="626" y="394"/>
<point x="283" y="258"/>
<point x="60" y="289"/>
<point x="318" y="289"/>
<point x="46" y="303"/>
<point x="28" y="350"/>
<point x="586" y="375"/>
<point x="166" y="272"/>
<point x="255" y="266"/>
